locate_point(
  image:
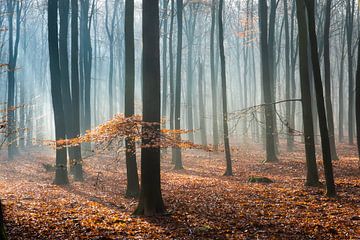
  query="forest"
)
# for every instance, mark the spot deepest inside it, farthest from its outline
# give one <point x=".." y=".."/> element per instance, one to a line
<point x="179" y="119"/>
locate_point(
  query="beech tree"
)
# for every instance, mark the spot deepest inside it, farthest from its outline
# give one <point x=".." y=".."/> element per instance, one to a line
<point x="312" y="178"/>
<point x="132" y="189"/>
<point x="61" y="177"/>
<point x="14" y="8"/>
<point x="266" y="82"/>
<point x="323" y="125"/>
<point x="151" y="202"/>
<point x="177" y="158"/>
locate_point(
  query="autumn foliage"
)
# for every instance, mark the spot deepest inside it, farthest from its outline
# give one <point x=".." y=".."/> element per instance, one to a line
<point x="203" y="203"/>
<point x="113" y="133"/>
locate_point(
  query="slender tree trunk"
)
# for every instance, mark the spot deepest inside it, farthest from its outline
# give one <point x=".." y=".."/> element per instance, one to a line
<point x="61" y="177"/>
<point x="328" y="169"/>
<point x="64" y="68"/>
<point x="171" y="67"/>
<point x="202" y="107"/>
<point x="164" y="62"/>
<point x="290" y="136"/>
<point x="12" y="8"/>
<point x="357" y="104"/>
<point x="349" y="29"/>
<point x="75" y="90"/>
<point x="228" y="171"/>
<point x="177" y="151"/>
<point x="132" y="189"/>
<point x="312" y="177"/>
<point x="341" y="89"/>
<point x="266" y="82"/>
<point x="215" y="126"/>
<point x="327" y="67"/>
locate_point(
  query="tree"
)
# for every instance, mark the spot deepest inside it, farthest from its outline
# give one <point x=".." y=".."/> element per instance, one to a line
<point x="312" y="177"/>
<point x="357" y="102"/>
<point x="328" y="169"/>
<point x="151" y="202"/>
<point x="290" y="137"/>
<point x="327" y="78"/>
<point x="171" y="67"/>
<point x="350" y="6"/>
<point x="202" y="107"/>
<point x="110" y="33"/>
<point x="13" y="7"/>
<point x="177" y="159"/>
<point x="61" y="177"/>
<point x="132" y="189"/>
<point x="164" y="60"/>
<point x="190" y="27"/>
<point x="75" y="89"/>
<point x="213" y="77"/>
<point x="228" y="171"/>
<point x="85" y="64"/>
<point x="266" y="83"/>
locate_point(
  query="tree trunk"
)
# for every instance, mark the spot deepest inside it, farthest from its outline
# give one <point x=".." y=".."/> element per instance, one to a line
<point x="266" y="82"/>
<point x="151" y="202"/>
<point x="164" y="62"/>
<point x="215" y="126"/>
<point x="228" y="171"/>
<point x="349" y="33"/>
<point x="12" y="130"/>
<point x="132" y="189"/>
<point x="202" y="107"/>
<point x="327" y="80"/>
<point x="75" y="90"/>
<point x="61" y="177"/>
<point x="328" y="169"/>
<point x="177" y="151"/>
<point x="312" y="177"/>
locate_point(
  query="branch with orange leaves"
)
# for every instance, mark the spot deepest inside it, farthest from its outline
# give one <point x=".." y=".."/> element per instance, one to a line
<point x="116" y="130"/>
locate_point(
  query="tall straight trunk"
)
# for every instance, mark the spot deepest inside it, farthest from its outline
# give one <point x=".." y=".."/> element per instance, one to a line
<point x="215" y="126"/>
<point x="325" y="142"/>
<point x="272" y="66"/>
<point x="228" y="171"/>
<point x="75" y="89"/>
<point x="266" y="83"/>
<point x="357" y="102"/>
<point x="132" y="188"/>
<point x="64" y="6"/>
<point x="61" y="177"/>
<point x="151" y="202"/>
<point x="341" y="89"/>
<point x="293" y="53"/>
<point x="22" y="92"/>
<point x="171" y="66"/>
<point x="290" y="136"/>
<point x="349" y="33"/>
<point x="12" y="8"/>
<point x="191" y="26"/>
<point x="312" y="177"/>
<point x="164" y="61"/>
<point x="177" y="158"/>
<point x="202" y="106"/>
<point x="85" y="66"/>
<point x="327" y="68"/>
<point x="110" y="33"/>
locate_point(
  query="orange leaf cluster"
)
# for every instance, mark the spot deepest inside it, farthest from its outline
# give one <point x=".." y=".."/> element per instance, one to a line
<point x="116" y="130"/>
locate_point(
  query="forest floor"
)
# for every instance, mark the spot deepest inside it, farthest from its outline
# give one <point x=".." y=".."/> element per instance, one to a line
<point x="202" y="203"/>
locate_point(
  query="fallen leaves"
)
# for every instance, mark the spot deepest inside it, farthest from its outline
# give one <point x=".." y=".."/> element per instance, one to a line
<point x="203" y="203"/>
